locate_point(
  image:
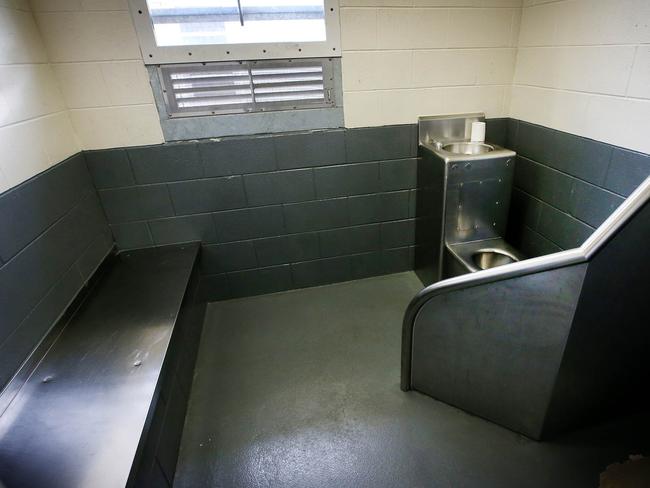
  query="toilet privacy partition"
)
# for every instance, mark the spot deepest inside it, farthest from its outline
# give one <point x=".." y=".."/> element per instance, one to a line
<point x="544" y="345"/>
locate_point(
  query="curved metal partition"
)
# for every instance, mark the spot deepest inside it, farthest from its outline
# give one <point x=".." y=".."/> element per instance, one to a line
<point x="538" y="344"/>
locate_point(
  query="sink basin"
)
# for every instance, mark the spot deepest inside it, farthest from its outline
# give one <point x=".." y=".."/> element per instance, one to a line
<point x="491" y="258"/>
<point x="450" y="150"/>
<point x="469" y="148"/>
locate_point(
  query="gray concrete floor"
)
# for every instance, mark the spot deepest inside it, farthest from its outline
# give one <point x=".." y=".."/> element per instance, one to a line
<point x="301" y="389"/>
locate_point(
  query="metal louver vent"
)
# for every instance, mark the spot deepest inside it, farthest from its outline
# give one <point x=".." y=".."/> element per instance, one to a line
<point x="246" y="86"/>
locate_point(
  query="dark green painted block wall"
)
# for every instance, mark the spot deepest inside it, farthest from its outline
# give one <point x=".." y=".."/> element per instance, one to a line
<point x="283" y="211"/>
<point x="565" y="185"/>
<point x="273" y="212"/>
<point x="53" y="236"/>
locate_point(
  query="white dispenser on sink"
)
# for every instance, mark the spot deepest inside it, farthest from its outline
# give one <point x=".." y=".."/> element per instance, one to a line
<point x="478" y="132"/>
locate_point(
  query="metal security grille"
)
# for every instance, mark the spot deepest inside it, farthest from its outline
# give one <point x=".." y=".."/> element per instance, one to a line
<point x="246" y="86"/>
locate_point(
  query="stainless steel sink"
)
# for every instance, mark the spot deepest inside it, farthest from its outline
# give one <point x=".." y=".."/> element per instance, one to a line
<point x="452" y="151"/>
<point x="469" y="148"/>
<point x="491" y="258"/>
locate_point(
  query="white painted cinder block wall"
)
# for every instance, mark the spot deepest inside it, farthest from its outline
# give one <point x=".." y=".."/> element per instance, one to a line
<point x="35" y="130"/>
<point x="95" y="55"/>
<point x="405" y="58"/>
<point x="583" y="66"/>
<point x="401" y="59"/>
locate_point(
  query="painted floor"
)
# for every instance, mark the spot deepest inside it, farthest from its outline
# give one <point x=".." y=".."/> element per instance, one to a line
<point x="301" y="389"/>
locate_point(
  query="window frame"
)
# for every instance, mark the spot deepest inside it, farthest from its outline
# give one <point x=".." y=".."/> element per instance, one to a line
<point x="152" y="54"/>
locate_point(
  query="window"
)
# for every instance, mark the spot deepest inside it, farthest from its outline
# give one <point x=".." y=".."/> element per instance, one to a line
<point x="246" y="86"/>
<point x="177" y="31"/>
<point x="234" y="67"/>
<point x="237" y="22"/>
